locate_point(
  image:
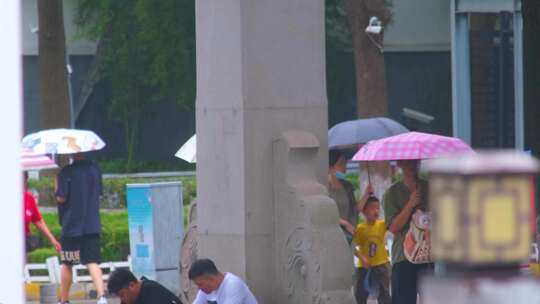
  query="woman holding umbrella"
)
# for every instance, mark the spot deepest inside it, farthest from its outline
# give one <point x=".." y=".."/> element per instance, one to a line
<point x="401" y="200"/>
<point x="404" y="197"/>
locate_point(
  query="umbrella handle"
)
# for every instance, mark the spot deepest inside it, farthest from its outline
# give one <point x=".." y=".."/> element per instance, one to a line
<point x="368" y="174"/>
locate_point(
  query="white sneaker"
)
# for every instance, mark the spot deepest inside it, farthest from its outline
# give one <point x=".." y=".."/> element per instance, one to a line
<point x="102" y="300"/>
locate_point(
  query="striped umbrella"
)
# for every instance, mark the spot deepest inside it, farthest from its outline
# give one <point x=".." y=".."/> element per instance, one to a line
<point x="31" y="160"/>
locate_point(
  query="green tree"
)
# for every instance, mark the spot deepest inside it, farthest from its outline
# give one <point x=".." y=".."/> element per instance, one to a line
<point x="338" y="53"/>
<point x="53" y="86"/>
<point x="147" y="53"/>
<point x="346" y="22"/>
<point x="368" y="55"/>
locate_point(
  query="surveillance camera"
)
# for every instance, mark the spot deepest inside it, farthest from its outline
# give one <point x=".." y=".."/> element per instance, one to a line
<point x="374" y="26"/>
<point x="418" y="116"/>
<point x="33" y="29"/>
<point x="374" y="29"/>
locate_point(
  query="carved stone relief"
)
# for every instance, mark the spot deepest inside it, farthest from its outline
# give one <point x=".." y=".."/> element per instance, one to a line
<point x="314" y="263"/>
<point x="188" y="254"/>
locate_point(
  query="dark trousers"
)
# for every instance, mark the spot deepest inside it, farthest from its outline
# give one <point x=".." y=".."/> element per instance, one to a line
<point x="405" y="276"/>
<point x="379" y="274"/>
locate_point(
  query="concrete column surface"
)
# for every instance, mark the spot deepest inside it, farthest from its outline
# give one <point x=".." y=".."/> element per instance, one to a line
<point x="260" y="72"/>
<point x="11" y="219"/>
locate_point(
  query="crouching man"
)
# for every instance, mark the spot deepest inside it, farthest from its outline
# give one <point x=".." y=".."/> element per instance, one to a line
<point x="125" y="285"/>
<point x="217" y="287"/>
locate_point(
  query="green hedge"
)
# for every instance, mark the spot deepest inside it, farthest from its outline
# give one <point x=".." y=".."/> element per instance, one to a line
<point x="41" y="254"/>
<point x="121" y="166"/>
<point x="114" y="189"/>
<point x="114" y="237"/>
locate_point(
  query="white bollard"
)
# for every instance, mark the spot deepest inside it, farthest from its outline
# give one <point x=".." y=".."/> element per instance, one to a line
<point x="53" y="265"/>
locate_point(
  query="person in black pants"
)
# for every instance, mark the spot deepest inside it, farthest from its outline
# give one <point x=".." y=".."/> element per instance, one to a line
<point x="78" y="187"/>
<point x="400" y="201"/>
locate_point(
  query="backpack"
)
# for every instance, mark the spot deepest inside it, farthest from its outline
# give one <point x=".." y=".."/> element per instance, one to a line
<point x="417" y="243"/>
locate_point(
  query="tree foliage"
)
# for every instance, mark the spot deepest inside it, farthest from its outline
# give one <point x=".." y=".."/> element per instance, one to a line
<point x="338" y="30"/>
<point x="338" y="33"/>
<point x="148" y="55"/>
<point x="371" y="95"/>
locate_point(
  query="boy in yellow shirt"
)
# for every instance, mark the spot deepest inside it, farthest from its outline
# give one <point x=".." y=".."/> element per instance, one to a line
<point x="373" y="258"/>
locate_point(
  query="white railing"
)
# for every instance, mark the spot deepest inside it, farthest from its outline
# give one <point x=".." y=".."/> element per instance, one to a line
<point x="111" y="266"/>
<point x="52" y="266"/>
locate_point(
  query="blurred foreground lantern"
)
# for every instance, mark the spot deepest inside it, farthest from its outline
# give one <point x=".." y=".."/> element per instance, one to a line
<point x="481" y="207"/>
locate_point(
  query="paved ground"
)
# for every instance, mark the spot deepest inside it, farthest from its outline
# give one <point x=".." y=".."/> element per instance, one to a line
<point x="116" y="301"/>
<point x="111" y="301"/>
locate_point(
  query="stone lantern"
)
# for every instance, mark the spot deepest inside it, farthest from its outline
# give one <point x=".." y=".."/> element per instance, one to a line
<point x="482" y="206"/>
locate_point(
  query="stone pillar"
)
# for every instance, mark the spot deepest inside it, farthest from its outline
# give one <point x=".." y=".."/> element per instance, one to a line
<point x="11" y="219"/>
<point x="260" y="72"/>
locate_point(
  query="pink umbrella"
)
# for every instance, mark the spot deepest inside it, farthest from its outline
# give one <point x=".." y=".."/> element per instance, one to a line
<point x="411" y="145"/>
<point x="31" y="160"/>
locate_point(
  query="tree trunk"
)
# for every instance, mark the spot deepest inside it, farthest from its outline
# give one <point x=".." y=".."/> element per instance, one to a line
<point x="371" y="97"/>
<point x="53" y="86"/>
<point x="368" y="57"/>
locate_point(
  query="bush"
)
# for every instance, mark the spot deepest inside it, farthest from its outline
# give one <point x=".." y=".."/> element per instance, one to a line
<point x="45" y="188"/>
<point x="114" y="237"/>
<point x="51" y="219"/>
<point x="41" y="254"/>
<point x="121" y="166"/>
<point x="114" y="189"/>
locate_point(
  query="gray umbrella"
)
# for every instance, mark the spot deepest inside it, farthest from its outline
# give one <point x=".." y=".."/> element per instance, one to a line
<point x="361" y="131"/>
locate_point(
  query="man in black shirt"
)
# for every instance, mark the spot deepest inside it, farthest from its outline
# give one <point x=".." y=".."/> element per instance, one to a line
<point x="125" y="285"/>
<point x="78" y="187"/>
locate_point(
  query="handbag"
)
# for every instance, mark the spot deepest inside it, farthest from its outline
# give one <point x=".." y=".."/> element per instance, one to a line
<point x="417" y="243"/>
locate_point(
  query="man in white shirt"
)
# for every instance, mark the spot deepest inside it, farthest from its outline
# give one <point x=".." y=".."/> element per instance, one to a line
<point x="217" y="287"/>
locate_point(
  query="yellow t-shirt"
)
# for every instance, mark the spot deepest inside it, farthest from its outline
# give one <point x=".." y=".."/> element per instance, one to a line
<point x="370" y="239"/>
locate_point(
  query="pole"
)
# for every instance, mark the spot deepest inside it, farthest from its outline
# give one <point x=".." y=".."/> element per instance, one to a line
<point x="70" y="92"/>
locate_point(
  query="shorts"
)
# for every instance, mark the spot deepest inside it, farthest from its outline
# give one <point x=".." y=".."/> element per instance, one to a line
<point x="83" y="249"/>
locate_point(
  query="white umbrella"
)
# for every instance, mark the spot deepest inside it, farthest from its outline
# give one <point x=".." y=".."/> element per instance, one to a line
<point x="62" y="141"/>
<point x="188" y="151"/>
<point x="34" y="161"/>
